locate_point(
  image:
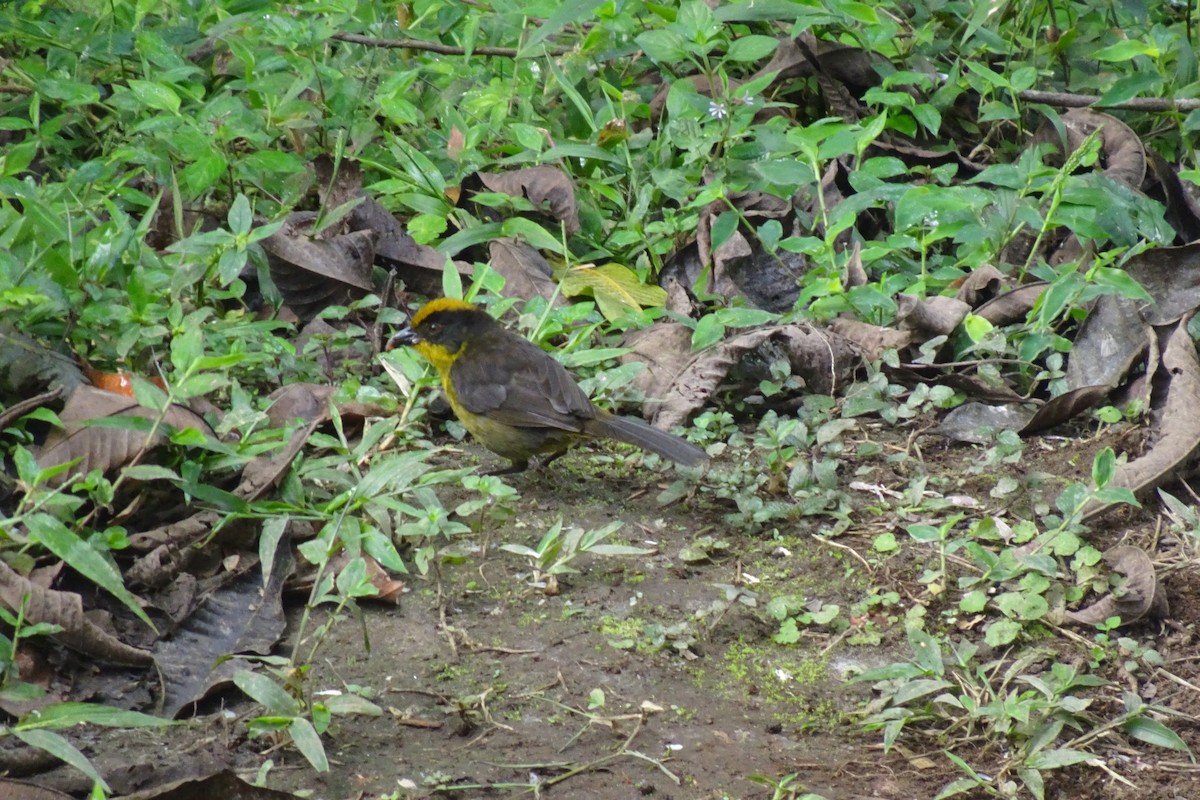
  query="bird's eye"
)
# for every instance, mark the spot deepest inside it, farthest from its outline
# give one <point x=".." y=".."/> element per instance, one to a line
<point x="434" y="328"/>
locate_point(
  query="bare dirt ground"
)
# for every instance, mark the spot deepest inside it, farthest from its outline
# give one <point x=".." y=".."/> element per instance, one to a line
<point x="655" y="676"/>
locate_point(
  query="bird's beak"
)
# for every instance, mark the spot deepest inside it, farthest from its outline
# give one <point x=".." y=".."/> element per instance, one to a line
<point x="404" y="336"/>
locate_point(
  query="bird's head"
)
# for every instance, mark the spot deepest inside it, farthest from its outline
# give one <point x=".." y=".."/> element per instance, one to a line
<point x="441" y="329"/>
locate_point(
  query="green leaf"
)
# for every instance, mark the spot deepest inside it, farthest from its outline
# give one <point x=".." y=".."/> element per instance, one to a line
<point x="84" y="559"/>
<point x="859" y="11"/>
<point x="752" y="48"/>
<point x="1034" y="782"/>
<point x="186" y="347"/>
<point x="61" y="749"/>
<point x="426" y="228"/>
<point x="1149" y="84"/>
<point x="1103" y="467"/>
<point x="722" y="228"/>
<point x="451" y="281"/>
<point x="1125" y="50"/>
<point x="973" y="602"/>
<point x="68" y="715"/>
<point x="916" y="689"/>
<point x="530" y="231"/>
<point x="241" y="218"/>
<point x="155" y="95"/>
<point x="709" y="330"/>
<point x="308" y="742"/>
<point x="885" y="543"/>
<point x="1056" y="759"/>
<point x="1153" y="732"/>
<point x="1002" y="632"/>
<point x="150" y="472"/>
<point x="72" y="93"/>
<point x="350" y="703"/>
<point x="202" y="173"/>
<point x="1121" y="282"/>
<point x="663" y="45"/>
<point x="788" y="632"/>
<point x="266" y="692"/>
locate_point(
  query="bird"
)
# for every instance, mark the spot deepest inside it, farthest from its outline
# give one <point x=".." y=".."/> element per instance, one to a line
<point x="514" y="397"/>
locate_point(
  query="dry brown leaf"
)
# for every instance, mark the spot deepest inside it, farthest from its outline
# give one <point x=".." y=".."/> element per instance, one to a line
<point x="224" y="784"/>
<point x="66" y="610"/>
<point x="1064" y="407"/>
<point x="313" y="274"/>
<point x="1111" y="340"/>
<point x="1178" y="432"/>
<point x="527" y="273"/>
<point x="698" y="381"/>
<point x="1011" y="306"/>
<point x="930" y="316"/>
<point x="107" y="448"/>
<point x="28" y="366"/>
<point x="872" y="340"/>
<point x="820" y="358"/>
<point x="665" y="348"/>
<point x="1183" y="213"/>
<point x="1124" y="155"/>
<point x="978" y="423"/>
<point x="983" y="284"/>
<point x="241" y="616"/>
<point x="548" y="187"/>
<point x="1139" y="595"/>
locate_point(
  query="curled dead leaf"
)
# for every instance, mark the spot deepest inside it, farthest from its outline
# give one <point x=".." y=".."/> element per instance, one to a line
<point x="39" y="604"/>
<point x="548" y="187"/>
<point x="1178" y="430"/>
<point x="1139" y="595"/>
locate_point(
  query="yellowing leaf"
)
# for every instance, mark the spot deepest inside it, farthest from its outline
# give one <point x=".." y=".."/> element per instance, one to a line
<point x="616" y="289"/>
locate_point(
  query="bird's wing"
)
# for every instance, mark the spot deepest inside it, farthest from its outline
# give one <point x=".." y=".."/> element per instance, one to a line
<point x="512" y="381"/>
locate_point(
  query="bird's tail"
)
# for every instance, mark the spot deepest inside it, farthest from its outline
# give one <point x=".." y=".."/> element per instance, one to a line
<point x="635" y="432"/>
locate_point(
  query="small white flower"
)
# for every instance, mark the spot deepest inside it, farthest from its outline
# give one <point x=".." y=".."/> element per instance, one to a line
<point x="718" y="110"/>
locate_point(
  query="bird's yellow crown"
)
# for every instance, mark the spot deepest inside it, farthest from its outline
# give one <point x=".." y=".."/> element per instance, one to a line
<point x="440" y="304"/>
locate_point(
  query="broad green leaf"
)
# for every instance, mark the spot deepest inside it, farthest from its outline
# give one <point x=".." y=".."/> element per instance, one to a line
<point x="72" y="93"/>
<point x="1034" y="782"/>
<point x="1002" y="632"/>
<point x="531" y="232"/>
<point x="308" y="742"/>
<point x="64" y="751"/>
<point x="709" y="330"/>
<point x="84" y="559"/>
<point x="914" y="690"/>
<point x="973" y="602"/>
<point x="155" y="95"/>
<point x="752" y="48"/>
<point x="350" y="703"/>
<point x="885" y="543"/>
<point x="1125" y="50"/>
<point x="1154" y="732"/>
<point x="663" y="45"/>
<point x="266" y="692"/>
<point x="976" y="327"/>
<point x="241" y="218"/>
